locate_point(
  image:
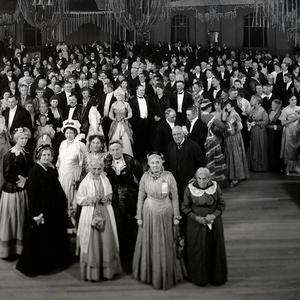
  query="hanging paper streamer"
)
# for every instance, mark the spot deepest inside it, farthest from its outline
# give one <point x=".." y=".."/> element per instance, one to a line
<point x="73" y="20"/>
<point x="137" y="15"/>
<point x="281" y="14"/>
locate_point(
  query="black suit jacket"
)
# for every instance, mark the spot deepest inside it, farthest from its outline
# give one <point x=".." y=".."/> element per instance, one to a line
<point x="225" y="82"/>
<point x="163" y="136"/>
<point x="62" y="101"/>
<point x="34" y="86"/>
<point x="211" y="94"/>
<point x="22" y="118"/>
<point x="80" y="114"/>
<point x="186" y="103"/>
<point x="267" y="102"/>
<point x="184" y="162"/>
<point x="170" y="88"/>
<point x="102" y="104"/>
<point x="106" y="121"/>
<point x="136" y="109"/>
<point x="198" y="134"/>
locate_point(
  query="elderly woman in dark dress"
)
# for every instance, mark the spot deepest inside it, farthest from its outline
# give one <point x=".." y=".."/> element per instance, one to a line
<point x="123" y="171"/>
<point x="205" y="247"/>
<point x="46" y="243"/>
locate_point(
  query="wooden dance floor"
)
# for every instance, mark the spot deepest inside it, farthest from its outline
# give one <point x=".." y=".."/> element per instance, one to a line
<point x="262" y="231"/>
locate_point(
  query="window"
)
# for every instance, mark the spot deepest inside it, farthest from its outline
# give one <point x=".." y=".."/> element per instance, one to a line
<point x="254" y="36"/>
<point x="180" y="30"/>
<point x="32" y="36"/>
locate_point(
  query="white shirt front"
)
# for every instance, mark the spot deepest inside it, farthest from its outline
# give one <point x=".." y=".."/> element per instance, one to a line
<point x="180" y="101"/>
<point x="107" y="104"/>
<point x="215" y="92"/>
<point x="143" y="107"/>
<point x="68" y="95"/>
<point x="172" y="125"/>
<point x="11" y="116"/>
<point x="288" y="85"/>
<point x="71" y="112"/>
<point x="209" y="83"/>
<point x="193" y="123"/>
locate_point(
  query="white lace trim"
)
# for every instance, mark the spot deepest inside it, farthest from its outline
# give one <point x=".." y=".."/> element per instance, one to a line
<point x="16" y="151"/>
<point x="199" y="192"/>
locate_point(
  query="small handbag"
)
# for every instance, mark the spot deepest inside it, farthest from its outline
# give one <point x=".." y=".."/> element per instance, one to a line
<point x="98" y="221"/>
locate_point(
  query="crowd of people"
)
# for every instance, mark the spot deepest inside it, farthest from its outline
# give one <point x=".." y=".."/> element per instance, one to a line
<point x="127" y="147"/>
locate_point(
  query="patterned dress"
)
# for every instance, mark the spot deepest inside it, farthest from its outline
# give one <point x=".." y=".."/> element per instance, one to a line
<point x="234" y="149"/>
<point x="258" y="149"/>
<point x="290" y="136"/>
<point x="155" y="260"/>
<point x="120" y="128"/>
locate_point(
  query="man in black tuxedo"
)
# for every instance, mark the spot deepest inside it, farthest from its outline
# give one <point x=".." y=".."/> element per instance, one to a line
<point x="37" y="76"/>
<point x="149" y="91"/>
<point x="198" y="91"/>
<point x="247" y="69"/>
<point x="224" y="76"/>
<point x="141" y="123"/>
<point x="196" y="76"/>
<point x="7" y="78"/>
<point x="64" y="96"/>
<point x="180" y="101"/>
<point x="287" y="88"/>
<point x="184" y="157"/>
<point x="104" y="106"/>
<point x="280" y="80"/>
<point x="197" y="130"/>
<point x="163" y="134"/>
<point x="216" y="90"/>
<point x="16" y="116"/>
<point x="75" y="111"/>
<point x="268" y="96"/>
<point x="171" y="85"/>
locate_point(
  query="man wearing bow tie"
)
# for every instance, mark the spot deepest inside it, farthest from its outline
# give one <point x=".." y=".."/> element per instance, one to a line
<point x="141" y="123"/>
<point x="181" y="101"/>
<point x="75" y="111"/>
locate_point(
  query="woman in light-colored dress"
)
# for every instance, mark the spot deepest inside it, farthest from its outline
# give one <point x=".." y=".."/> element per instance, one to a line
<point x="258" y="149"/>
<point x="290" y="146"/>
<point x="155" y="259"/>
<point x="234" y="146"/>
<point x="97" y="236"/>
<point x="69" y="165"/>
<point x="14" y="201"/>
<point x="120" y="113"/>
<point x="94" y="119"/>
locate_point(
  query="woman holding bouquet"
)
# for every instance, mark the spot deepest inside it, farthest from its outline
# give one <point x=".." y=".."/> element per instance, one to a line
<point x="97" y="237"/>
<point x="205" y="247"/>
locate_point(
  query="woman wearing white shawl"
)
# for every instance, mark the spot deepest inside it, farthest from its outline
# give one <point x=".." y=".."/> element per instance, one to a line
<point x="97" y="238"/>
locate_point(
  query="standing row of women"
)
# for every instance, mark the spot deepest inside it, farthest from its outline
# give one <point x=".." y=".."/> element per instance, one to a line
<point x="118" y="228"/>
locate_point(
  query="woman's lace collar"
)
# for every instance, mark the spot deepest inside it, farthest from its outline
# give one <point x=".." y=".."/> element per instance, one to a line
<point x="17" y="151"/>
<point x="157" y="175"/>
<point x="198" y="192"/>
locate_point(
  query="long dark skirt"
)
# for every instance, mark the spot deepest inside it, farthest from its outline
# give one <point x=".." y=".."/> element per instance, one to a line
<point x="46" y="247"/>
<point x="124" y="205"/>
<point x="274" y="137"/>
<point x="206" y="254"/>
